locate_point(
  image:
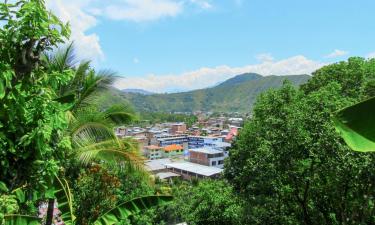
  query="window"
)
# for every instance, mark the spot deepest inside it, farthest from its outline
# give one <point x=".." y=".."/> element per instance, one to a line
<point x="221" y="162"/>
<point x="214" y="163"/>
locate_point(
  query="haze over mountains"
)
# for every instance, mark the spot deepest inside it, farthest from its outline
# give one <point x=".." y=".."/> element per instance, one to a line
<point x="237" y="94"/>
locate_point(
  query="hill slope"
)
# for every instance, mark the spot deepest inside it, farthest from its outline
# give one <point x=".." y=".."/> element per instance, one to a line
<point x="237" y="94"/>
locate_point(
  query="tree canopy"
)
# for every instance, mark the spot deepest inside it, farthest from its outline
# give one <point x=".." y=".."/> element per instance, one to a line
<point x="291" y="165"/>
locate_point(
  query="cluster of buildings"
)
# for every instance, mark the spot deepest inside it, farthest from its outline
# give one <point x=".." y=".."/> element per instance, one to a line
<point x="174" y="150"/>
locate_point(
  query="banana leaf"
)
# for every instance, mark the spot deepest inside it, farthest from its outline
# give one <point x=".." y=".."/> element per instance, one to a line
<point x="13" y="219"/>
<point x="131" y="207"/>
<point x="356" y="124"/>
<point x="65" y="201"/>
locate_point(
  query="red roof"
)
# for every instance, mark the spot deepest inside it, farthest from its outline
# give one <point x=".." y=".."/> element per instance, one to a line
<point x="233" y="132"/>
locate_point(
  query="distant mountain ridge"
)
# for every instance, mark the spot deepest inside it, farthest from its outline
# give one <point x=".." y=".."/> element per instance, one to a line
<point x="236" y="94"/>
<point x="240" y="79"/>
<point x="137" y="91"/>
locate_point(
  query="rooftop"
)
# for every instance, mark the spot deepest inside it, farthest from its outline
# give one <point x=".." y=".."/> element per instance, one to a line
<point x="206" y="150"/>
<point x="157" y="164"/>
<point x="165" y="175"/>
<point x="195" y="168"/>
<point x="173" y="147"/>
<point x="153" y="147"/>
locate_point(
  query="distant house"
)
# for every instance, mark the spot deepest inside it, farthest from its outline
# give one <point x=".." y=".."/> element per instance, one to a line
<point x="203" y="141"/>
<point x="153" y="152"/>
<point x="207" y="157"/>
<point x="173" y="151"/>
<point x="167" y="140"/>
<point x="188" y="170"/>
<point x="157" y="165"/>
<point x="232" y="134"/>
<point x="178" y="128"/>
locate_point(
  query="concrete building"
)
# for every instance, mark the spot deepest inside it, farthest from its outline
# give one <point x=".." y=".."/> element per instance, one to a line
<point x="207" y="157"/>
<point x="173" y="151"/>
<point x="157" y="165"/>
<point x="153" y="152"/>
<point x="178" y="128"/>
<point x="203" y="141"/>
<point x="188" y="170"/>
<point x="173" y="140"/>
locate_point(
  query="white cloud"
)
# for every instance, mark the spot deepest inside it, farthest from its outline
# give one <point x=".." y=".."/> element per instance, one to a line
<point x="206" y="77"/>
<point x="84" y="15"/>
<point x="336" y="53"/>
<point x="370" y="55"/>
<point x="87" y="45"/>
<point x="202" y="4"/>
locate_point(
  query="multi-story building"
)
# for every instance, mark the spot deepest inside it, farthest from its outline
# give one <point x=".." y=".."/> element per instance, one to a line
<point x="166" y="140"/>
<point x="203" y="141"/>
<point x="173" y="150"/>
<point x="178" y="128"/>
<point x="207" y="157"/>
<point x="153" y="152"/>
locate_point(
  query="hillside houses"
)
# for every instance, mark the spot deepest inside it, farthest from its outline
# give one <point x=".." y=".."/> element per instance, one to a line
<point x="175" y="150"/>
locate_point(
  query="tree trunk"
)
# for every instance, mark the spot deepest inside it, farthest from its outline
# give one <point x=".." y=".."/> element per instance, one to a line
<point x="50" y="209"/>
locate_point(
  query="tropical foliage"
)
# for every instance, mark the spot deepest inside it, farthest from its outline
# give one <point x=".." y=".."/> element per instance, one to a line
<point x="357" y="125"/>
<point x="50" y="124"/>
<point x="289" y="163"/>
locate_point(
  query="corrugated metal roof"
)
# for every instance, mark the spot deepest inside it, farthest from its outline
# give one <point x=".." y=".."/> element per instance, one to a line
<point x="195" y="168"/>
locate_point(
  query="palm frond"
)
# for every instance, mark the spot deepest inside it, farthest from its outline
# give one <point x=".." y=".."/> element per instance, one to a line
<point x="126" y="209"/>
<point x="119" y="114"/>
<point x="93" y="85"/>
<point x="62" y="59"/>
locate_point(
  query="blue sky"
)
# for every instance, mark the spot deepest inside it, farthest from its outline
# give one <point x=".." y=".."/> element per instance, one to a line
<point x="174" y="45"/>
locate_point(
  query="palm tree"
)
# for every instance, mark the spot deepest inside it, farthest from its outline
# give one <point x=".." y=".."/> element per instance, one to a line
<point x="92" y="129"/>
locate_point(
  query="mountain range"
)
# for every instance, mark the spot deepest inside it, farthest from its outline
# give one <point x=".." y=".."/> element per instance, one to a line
<point x="236" y="94"/>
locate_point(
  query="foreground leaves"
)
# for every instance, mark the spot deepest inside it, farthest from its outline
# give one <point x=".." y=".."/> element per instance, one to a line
<point x="357" y="125"/>
<point x="21" y="220"/>
<point x="124" y="210"/>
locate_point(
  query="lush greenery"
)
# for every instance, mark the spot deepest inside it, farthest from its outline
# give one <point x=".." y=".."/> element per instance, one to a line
<point x="160" y="117"/>
<point x="54" y="132"/>
<point x="288" y="166"/>
<point x="234" y="95"/>
<point x="197" y="202"/>
<point x="292" y="167"/>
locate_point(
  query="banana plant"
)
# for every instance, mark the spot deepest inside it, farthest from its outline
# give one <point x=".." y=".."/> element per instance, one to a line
<point x="113" y="216"/>
<point x="356" y="124"/>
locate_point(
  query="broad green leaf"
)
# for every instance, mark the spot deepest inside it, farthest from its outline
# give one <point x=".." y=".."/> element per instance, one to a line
<point x="2" y="89"/>
<point x="20" y="195"/>
<point x="3" y="187"/>
<point x="356" y="125"/>
<point x="131" y="207"/>
<point x="14" y="219"/>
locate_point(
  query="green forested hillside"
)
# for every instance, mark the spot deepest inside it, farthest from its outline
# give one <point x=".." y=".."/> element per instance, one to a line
<point x="234" y="95"/>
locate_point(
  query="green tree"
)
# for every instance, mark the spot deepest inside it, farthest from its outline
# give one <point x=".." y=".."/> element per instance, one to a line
<point x="289" y="163"/>
<point x="31" y="120"/>
<point x="201" y="202"/>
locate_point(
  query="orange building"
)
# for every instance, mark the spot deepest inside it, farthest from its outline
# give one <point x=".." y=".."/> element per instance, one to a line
<point x="173" y="150"/>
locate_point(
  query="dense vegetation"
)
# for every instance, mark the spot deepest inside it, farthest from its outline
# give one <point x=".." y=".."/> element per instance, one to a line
<point x="160" y="117"/>
<point x="53" y="133"/>
<point x="291" y="166"/>
<point x="57" y="142"/>
<point x="234" y="95"/>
